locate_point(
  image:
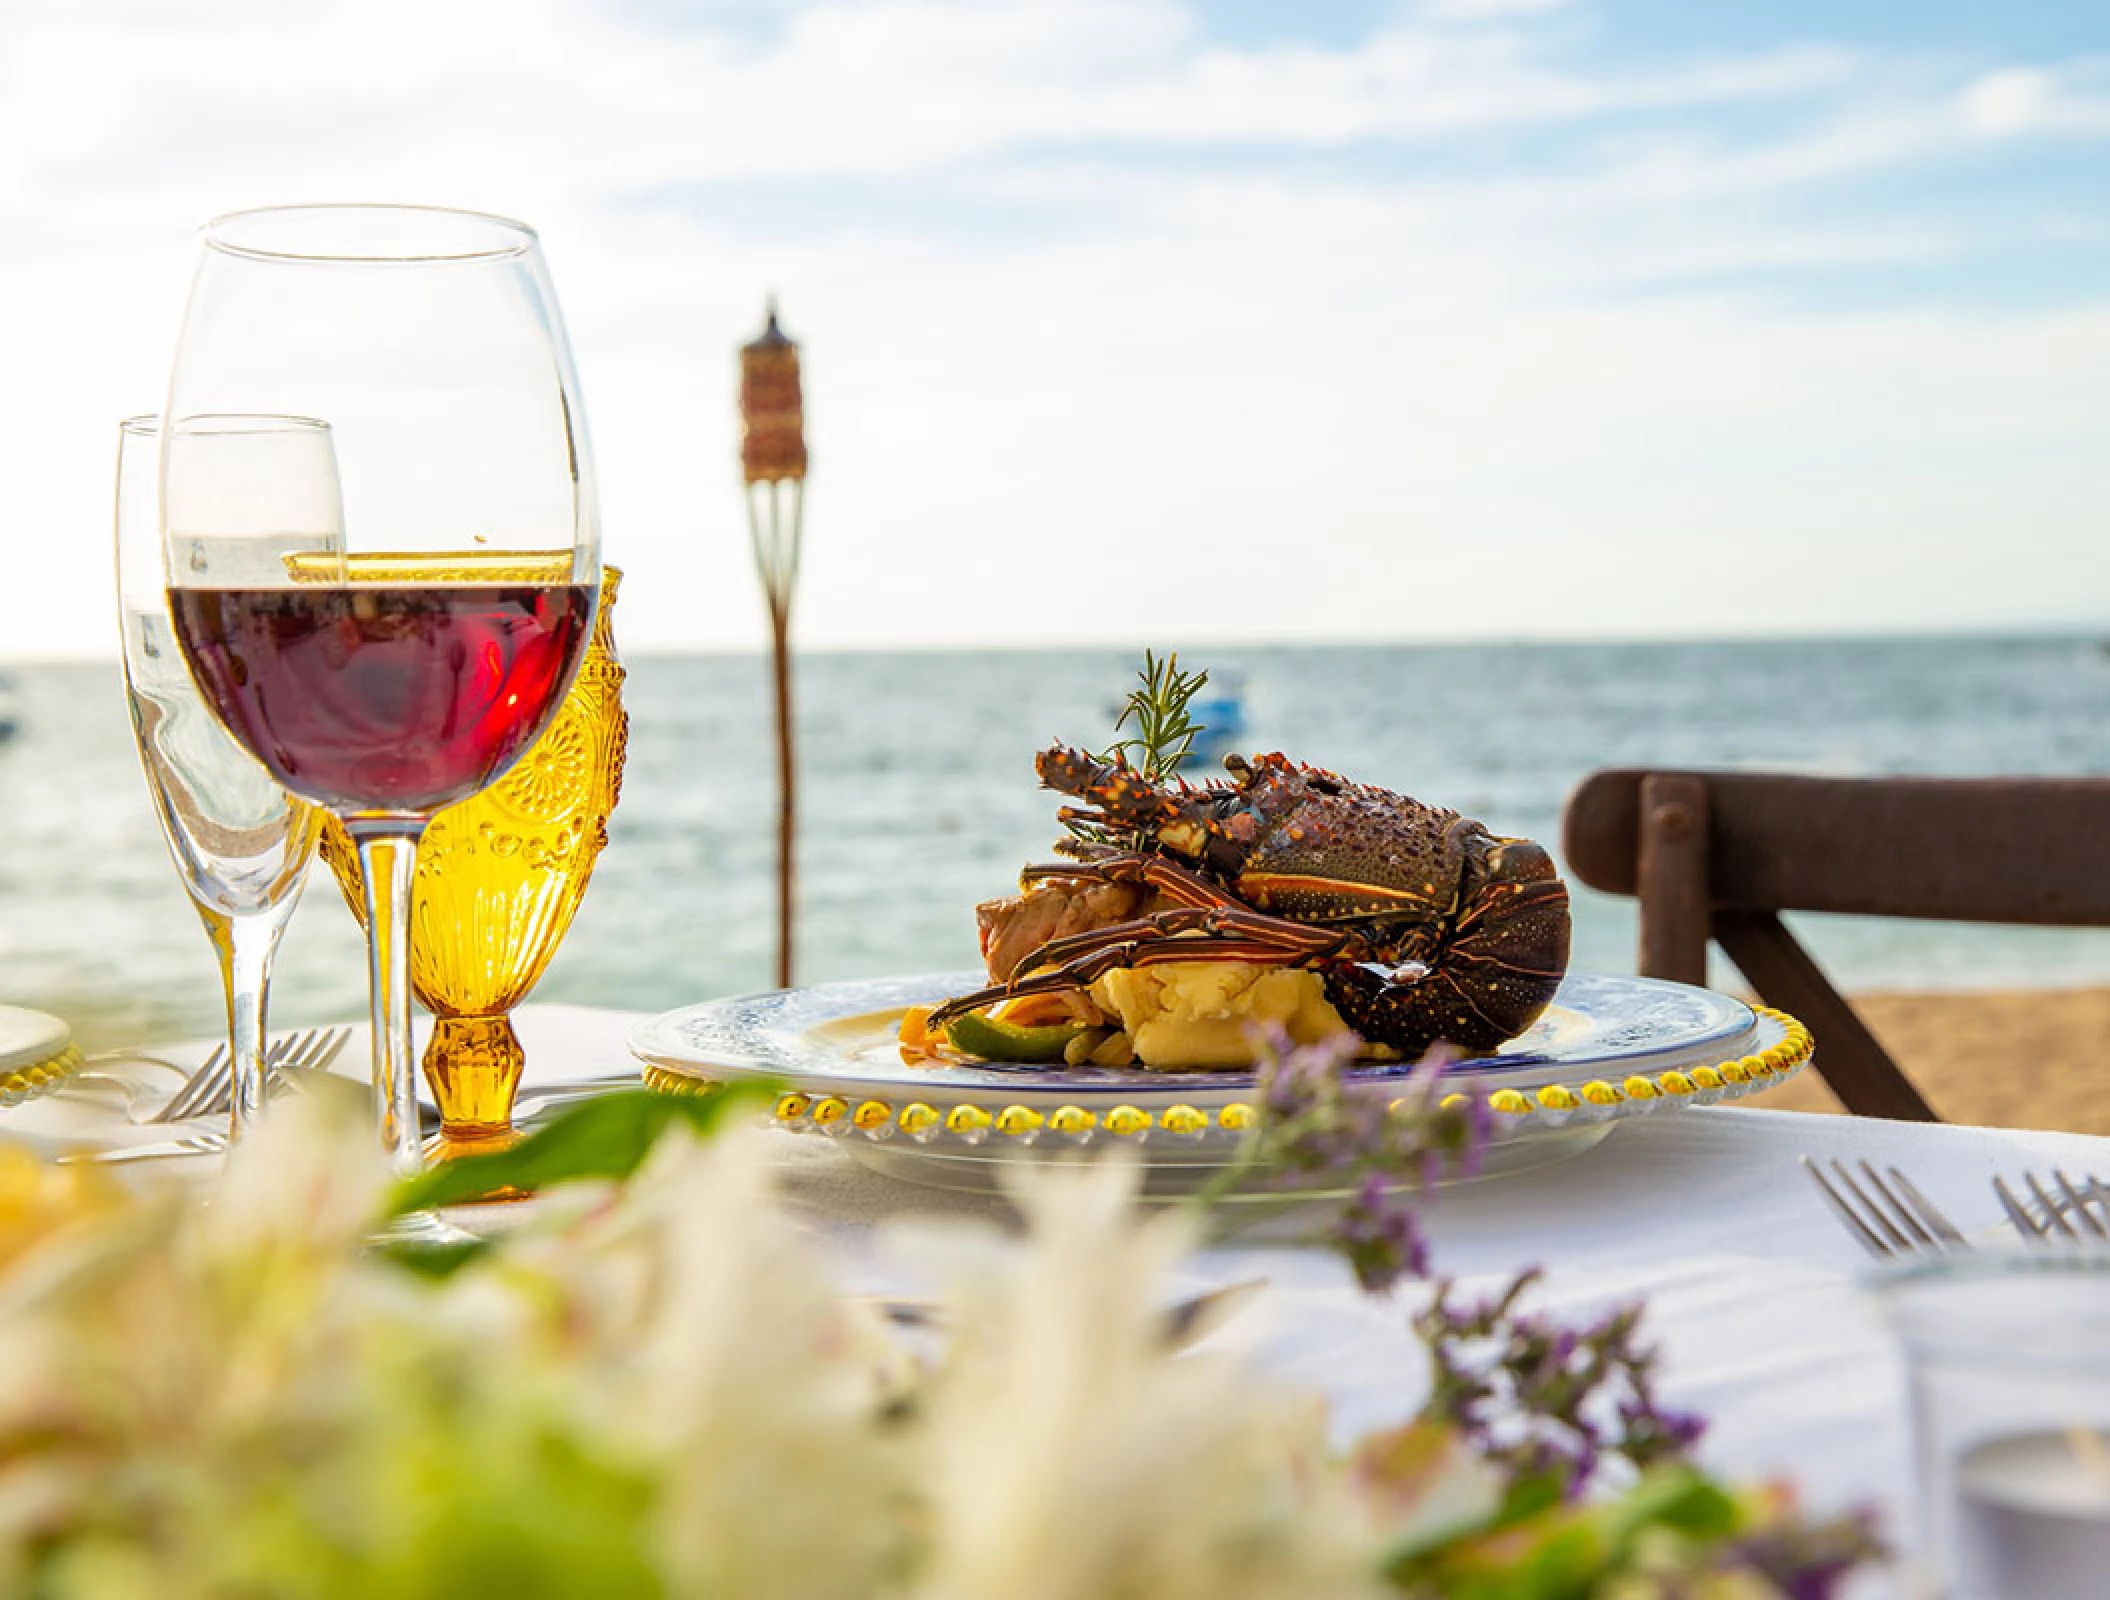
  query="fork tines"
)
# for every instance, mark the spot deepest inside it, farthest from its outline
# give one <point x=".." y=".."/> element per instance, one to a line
<point x="1887" y="1214"/>
<point x="196" y="1093"/>
<point x="2054" y="1215"/>
<point x="210" y="1090"/>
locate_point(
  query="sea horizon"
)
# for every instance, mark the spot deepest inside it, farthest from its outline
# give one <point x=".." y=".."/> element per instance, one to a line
<point x="1987" y="632"/>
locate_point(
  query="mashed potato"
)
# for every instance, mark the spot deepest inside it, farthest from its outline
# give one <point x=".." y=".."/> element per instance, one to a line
<point x="1196" y="1013"/>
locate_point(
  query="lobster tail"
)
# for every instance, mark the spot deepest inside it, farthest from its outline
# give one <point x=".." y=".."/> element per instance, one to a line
<point x="1493" y="973"/>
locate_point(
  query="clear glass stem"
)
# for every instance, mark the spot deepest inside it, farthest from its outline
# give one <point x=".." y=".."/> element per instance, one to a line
<point x="388" y="853"/>
<point x="247" y="945"/>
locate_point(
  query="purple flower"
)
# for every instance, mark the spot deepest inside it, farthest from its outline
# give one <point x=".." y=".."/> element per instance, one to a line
<point x="1540" y="1399"/>
<point x="1316" y="1123"/>
<point x="1532" y="1396"/>
<point x="1381" y="1236"/>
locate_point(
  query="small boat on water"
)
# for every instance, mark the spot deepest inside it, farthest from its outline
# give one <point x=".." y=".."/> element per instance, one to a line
<point x="10" y="718"/>
<point x="1219" y="711"/>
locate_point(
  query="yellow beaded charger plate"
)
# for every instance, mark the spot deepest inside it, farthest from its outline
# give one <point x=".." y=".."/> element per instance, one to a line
<point x="37" y="1054"/>
<point x="1608" y="1048"/>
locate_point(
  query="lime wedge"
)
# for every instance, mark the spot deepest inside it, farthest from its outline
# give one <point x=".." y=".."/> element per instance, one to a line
<point x="977" y="1035"/>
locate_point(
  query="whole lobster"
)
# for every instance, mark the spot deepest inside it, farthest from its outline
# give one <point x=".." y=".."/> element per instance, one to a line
<point x="1422" y="924"/>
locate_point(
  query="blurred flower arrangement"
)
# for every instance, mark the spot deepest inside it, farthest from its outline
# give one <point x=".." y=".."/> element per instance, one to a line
<point x="653" y="1388"/>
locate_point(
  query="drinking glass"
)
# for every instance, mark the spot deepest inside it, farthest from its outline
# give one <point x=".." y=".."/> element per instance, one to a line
<point x="2007" y="1360"/>
<point x="241" y="843"/>
<point x="411" y="665"/>
<point x="500" y="876"/>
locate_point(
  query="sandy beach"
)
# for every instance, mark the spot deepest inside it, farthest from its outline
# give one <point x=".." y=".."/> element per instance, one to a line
<point x="2036" y="1058"/>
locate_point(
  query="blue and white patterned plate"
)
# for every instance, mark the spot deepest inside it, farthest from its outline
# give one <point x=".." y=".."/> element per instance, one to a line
<point x="1607" y="1047"/>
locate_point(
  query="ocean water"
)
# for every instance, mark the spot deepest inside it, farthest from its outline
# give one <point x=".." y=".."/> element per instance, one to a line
<point x="917" y="799"/>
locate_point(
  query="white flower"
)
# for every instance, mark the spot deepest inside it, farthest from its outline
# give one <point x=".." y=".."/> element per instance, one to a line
<point x="726" y="1355"/>
<point x="1071" y="1457"/>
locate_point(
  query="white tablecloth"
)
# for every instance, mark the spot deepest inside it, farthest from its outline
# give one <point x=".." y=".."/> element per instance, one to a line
<point x="1755" y="1293"/>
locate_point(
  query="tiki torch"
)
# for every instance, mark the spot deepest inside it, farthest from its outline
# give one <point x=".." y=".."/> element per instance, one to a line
<point x="773" y="463"/>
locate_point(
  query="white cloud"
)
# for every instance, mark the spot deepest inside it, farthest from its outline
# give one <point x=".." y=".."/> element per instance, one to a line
<point x="2025" y="100"/>
<point x="2008" y="101"/>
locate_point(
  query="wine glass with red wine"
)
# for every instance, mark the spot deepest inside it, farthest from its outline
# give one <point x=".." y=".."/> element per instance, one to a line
<point x="410" y="664"/>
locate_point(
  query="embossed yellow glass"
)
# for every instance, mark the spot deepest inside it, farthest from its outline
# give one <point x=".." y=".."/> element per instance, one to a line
<point x="499" y="878"/>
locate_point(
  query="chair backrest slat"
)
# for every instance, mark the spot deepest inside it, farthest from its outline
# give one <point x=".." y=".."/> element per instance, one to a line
<point x="2014" y="850"/>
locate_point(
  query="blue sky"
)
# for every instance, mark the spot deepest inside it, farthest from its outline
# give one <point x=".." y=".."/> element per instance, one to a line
<point x="1135" y="320"/>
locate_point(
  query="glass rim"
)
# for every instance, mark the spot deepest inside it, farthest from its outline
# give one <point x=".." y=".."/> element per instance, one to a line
<point x="1951" y="1308"/>
<point x="147" y="424"/>
<point x="2079" y="1260"/>
<point x="510" y="238"/>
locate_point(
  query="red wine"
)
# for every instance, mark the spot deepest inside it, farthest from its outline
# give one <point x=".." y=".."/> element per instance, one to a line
<point x="398" y="699"/>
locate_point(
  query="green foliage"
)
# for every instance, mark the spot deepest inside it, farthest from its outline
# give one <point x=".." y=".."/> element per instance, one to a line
<point x="1164" y="735"/>
<point x="606" y="1137"/>
<point x="1538" y="1546"/>
<point x="452" y="1496"/>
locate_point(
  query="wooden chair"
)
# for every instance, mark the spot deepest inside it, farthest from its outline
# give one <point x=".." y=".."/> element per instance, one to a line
<point x="1721" y="854"/>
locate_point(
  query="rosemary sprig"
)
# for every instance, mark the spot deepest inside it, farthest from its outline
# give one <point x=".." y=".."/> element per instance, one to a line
<point x="1164" y="735"/>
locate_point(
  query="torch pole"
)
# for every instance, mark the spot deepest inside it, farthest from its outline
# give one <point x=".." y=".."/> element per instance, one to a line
<point x="775" y="537"/>
<point x="787" y="802"/>
<point x="773" y="459"/>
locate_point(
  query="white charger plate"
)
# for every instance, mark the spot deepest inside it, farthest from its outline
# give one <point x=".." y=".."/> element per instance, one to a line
<point x="1609" y="1047"/>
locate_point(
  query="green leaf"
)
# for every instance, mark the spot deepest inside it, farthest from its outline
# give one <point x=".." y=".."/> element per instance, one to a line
<point x="605" y="1137"/>
<point x="1679" y="1498"/>
<point x="435" y="1261"/>
<point x="1535" y="1548"/>
<point x="1556" y="1555"/>
<point x="1529" y="1496"/>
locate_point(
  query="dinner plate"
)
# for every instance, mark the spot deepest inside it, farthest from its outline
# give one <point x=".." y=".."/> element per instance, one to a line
<point x="1609" y="1047"/>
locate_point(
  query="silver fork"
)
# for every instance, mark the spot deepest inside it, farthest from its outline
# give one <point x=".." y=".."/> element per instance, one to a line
<point x="133" y="1092"/>
<point x="2055" y="1214"/>
<point x="203" y="1074"/>
<point x="210" y="1091"/>
<point x="213" y="1141"/>
<point x="1889" y="1218"/>
<point x="196" y="1144"/>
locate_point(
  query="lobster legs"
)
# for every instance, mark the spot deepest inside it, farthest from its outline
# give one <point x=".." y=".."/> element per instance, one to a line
<point x="1202" y="923"/>
<point x="1464" y="982"/>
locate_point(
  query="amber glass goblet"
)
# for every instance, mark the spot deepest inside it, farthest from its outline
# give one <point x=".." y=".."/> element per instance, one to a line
<point x="499" y="877"/>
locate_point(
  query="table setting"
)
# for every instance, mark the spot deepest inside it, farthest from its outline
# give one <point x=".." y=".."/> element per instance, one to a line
<point x="1277" y="1212"/>
<point x="1771" y="1322"/>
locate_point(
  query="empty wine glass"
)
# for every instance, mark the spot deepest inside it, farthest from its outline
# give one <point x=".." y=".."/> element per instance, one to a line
<point x="241" y="843"/>
<point x="410" y="666"/>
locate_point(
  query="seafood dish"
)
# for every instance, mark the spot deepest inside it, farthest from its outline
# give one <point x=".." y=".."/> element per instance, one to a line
<point x="1182" y="915"/>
